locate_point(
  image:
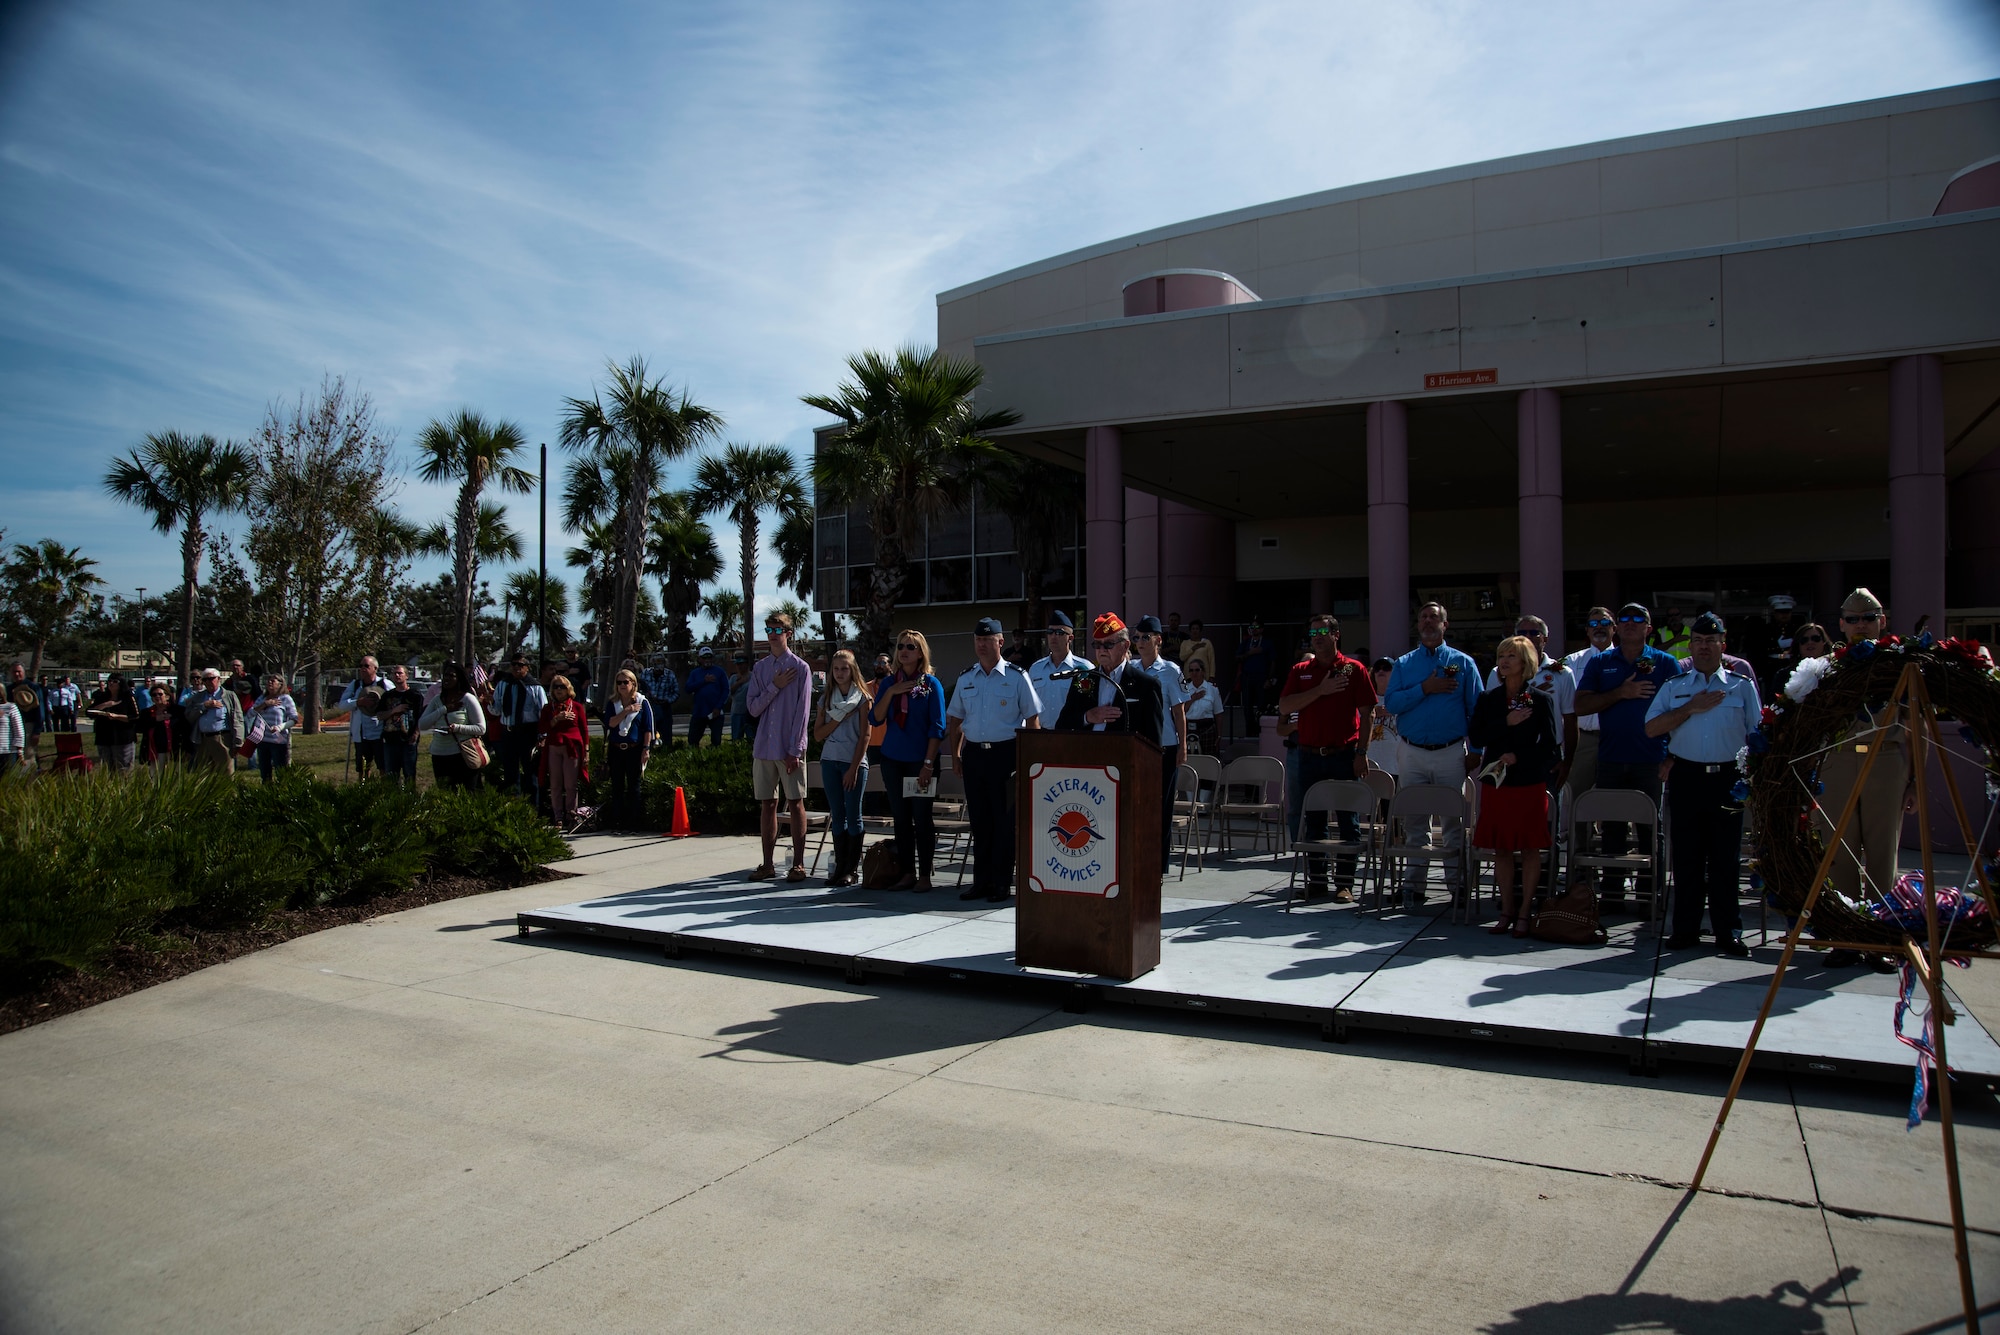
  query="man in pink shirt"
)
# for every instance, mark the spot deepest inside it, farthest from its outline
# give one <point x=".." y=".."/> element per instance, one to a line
<point x="780" y="700"/>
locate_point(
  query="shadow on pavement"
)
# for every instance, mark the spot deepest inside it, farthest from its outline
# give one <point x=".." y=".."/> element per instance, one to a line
<point x="1789" y="1308"/>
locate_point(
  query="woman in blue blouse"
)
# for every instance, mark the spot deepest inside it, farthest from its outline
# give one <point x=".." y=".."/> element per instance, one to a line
<point x="279" y="715"/>
<point x="628" y="743"/>
<point x="911" y="705"/>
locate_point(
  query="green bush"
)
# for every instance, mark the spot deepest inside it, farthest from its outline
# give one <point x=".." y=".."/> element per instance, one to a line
<point x="485" y="832"/>
<point x="93" y="861"/>
<point x="716" y="780"/>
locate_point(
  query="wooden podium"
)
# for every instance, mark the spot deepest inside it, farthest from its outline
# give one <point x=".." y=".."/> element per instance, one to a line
<point x="1087" y="870"/>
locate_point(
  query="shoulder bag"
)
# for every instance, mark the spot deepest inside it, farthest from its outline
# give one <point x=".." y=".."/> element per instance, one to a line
<point x="1570" y="919"/>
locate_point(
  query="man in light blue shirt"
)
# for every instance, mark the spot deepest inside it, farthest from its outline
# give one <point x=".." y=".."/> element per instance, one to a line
<point x="991" y="700"/>
<point x="364" y="730"/>
<point x="1147" y="638"/>
<point x="1707" y="715"/>
<point x="1062" y="633"/>
<point x="1432" y="691"/>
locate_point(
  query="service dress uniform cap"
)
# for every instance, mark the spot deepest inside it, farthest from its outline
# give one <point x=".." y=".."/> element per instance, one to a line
<point x="1708" y="623"/>
<point x="987" y="626"/>
<point x="1060" y="621"/>
<point x="1147" y="625"/>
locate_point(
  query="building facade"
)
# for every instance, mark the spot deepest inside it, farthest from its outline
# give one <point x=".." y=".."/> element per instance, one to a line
<point x="1701" y="367"/>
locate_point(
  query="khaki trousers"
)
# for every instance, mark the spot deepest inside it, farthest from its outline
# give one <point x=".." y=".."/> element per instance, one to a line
<point x="214" y="752"/>
<point x="1877" y="828"/>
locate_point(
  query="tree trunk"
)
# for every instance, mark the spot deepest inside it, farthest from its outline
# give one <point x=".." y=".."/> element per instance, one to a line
<point x="462" y="569"/>
<point x="746" y="528"/>
<point x="35" y="666"/>
<point x="309" y="715"/>
<point x="885" y="590"/>
<point x="191" y="543"/>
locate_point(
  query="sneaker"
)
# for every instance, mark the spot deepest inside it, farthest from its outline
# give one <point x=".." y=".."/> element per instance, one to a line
<point x="1735" y="949"/>
<point x="764" y="873"/>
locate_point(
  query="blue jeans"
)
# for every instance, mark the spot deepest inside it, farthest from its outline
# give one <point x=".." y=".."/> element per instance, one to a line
<point x="843" y="804"/>
<point x="399" y="759"/>
<point x="272" y="755"/>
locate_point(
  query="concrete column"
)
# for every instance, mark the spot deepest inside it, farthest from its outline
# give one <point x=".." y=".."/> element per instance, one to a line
<point x="1538" y="416"/>
<point x="1103" y="521"/>
<point x="1917" y="508"/>
<point x="1389" y="627"/>
<point x="1829" y="587"/>
<point x="1142" y="556"/>
<point x="1975" y="540"/>
<point x="1197" y="563"/>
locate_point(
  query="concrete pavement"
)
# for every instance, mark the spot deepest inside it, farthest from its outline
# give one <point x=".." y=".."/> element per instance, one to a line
<point x="424" y="1122"/>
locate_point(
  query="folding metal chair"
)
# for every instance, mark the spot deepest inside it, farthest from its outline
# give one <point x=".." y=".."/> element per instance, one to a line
<point x="1187" y="815"/>
<point x="1636" y="809"/>
<point x="1209" y="770"/>
<point x="952" y="822"/>
<point x="1467" y="901"/>
<point x="1411" y="811"/>
<point x="817" y="820"/>
<point x="1259" y="774"/>
<point x="1330" y="797"/>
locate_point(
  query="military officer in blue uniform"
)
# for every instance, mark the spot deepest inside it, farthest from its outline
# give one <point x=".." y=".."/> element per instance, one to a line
<point x="990" y="702"/>
<point x="1061" y="658"/>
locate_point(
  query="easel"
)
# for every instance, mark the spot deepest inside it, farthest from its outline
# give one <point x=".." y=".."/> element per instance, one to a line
<point x="1927" y="958"/>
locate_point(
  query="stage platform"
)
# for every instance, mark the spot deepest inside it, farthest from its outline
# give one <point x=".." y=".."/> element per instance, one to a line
<point x="1230" y="948"/>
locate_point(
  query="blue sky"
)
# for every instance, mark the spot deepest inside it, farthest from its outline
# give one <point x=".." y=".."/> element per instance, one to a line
<point x="205" y="208"/>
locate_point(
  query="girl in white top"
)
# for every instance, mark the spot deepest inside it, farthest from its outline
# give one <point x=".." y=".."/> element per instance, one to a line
<point x="1382" y="724"/>
<point x="452" y="717"/>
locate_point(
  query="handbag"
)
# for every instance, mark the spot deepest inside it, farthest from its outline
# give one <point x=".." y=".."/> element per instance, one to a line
<point x="880" y="867"/>
<point x="256" y="735"/>
<point x="473" y="752"/>
<point x="1570" y="919"/>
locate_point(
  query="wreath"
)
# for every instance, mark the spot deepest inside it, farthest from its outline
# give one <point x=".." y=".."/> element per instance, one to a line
<point x="1816" y="708"/>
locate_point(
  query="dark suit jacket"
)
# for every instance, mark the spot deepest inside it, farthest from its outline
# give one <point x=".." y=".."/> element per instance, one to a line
<point x="1141" y="702"/>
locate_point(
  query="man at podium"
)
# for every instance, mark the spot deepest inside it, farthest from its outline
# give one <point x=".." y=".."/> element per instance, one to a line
<point x="1121" y="696"/>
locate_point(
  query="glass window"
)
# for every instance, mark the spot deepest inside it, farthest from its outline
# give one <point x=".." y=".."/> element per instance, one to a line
<point x="833" y="541"/>
<point x="999" y="578"/>
<point x="951" y="534"/>
<point x="860" y="536"/>
<point x="914" y="590"/>
<point x="992" y="530"/>
<point x="951" y="581"/>
<point x="857" y="585"/>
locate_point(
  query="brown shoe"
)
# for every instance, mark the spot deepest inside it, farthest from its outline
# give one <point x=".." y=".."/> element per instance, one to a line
<point x="764" y="873"/>
<point x="1343" y="896"/>
<point x="797" y="873"/>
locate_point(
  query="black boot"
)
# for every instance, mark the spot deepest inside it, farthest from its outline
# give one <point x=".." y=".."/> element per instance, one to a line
<point x="846" y="857"/>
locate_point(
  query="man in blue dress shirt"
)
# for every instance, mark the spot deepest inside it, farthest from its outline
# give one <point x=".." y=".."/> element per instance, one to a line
<point x="992" y="699"/>
<point x="1618" y="687"/>
<point x="1061" y="658"/>
<point x="1147" y="638"/>
<point x="1432" y="690"/>
<point x="1706" y="715"/>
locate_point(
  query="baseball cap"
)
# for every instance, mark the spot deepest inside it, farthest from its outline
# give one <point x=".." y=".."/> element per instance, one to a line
<point x="1634" y="610"/>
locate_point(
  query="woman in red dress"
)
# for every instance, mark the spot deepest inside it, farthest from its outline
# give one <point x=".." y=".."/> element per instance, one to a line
<point x="565" y="743"/>
<point x="1515" y="727"/>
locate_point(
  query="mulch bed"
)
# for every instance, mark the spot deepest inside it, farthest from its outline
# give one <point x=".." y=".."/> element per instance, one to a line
<point x="130" y="968"/>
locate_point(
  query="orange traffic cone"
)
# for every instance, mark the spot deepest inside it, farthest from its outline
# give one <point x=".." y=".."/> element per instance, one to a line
<point x="680" y="830"/>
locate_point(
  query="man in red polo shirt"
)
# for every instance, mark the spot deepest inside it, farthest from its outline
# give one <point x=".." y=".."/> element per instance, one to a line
<point x="1331" y="693"/>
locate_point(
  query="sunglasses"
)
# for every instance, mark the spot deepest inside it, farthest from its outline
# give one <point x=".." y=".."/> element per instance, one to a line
<point x="1812" y="639"/>
<point x="1319" y="631"/>
<point x="1630" y="621"/>
<point x="1105" y="644"/>
<point x="1598" y="622"/>
<point x="1857" y="620"/>
<point x="906" y="648"/>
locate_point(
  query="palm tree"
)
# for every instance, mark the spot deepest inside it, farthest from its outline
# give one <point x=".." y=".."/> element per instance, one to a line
<point x="648" y="422"/>
<point x="47" y="584"/>
<point x="726" y="607"/>
<point x="1044" y="502"/>
<point x="493" y="539"/>
<point x="472" y="452"/>
<point x="522" y="589"/>
<point x="796" y="541"/>
<point x="181" y="480"/>
<point x="593" y="556"/>
<point x="681" y="554"/>
<point x="743" y="482"/>
<point x="913" y="447"/>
